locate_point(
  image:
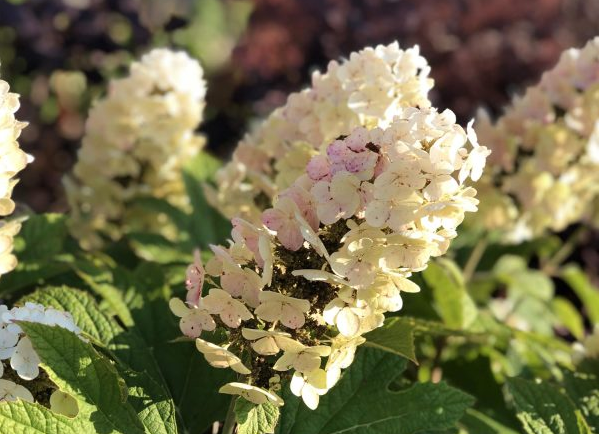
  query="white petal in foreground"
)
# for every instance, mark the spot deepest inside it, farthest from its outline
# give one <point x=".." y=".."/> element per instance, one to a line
<point x="252" y="393"/>
<point x="10" y="391"/>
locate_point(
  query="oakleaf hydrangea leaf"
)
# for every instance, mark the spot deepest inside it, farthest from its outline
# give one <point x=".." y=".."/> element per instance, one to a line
<point x="77" y="369"/>
<point x="395" y="336"/>
<point x="255" y="419"/>
<point x="544" y="409"/>
<point x="148" y="392"/>
<point x="363" y="397"/>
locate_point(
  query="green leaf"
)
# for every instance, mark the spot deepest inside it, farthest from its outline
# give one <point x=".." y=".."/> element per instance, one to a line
<point x="77" y="369"/>
<point x="192" y="382"/>
<point x="39" y="247"/>
<point x="255" y="419"/>
<point x="361" y="403"/>
<point x="453" y="303"/>
<point x="41" y="237"/>
<point x="100" y="277"/>
<point x="395" y="336"/>
<point x="474" y="375"/>
<point x="26" y="418"/>
<point x="583" y="388"/>
<point x="543" y="409"/>
<point x="584" y="289"/>
<point x="208" y="226"/>
<point x="477" y="422"/>
<point x="148" y="392"/>
<point x="568" y="316"/>
<point x="522" y="281"/>
<point x="432" y="328"/>
<point x="156" y="248"/>
<point x="159" y="206"/>
<point x="530" y="292"/>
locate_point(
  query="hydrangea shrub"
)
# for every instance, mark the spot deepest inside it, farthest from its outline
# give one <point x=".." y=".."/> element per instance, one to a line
<point x="342" y="295"/>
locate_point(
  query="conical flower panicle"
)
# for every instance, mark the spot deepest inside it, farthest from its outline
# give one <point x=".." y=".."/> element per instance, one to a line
<point x="332" y="254"/>
<point x="136" y="141"/>
<point x="12" y="161"/>
<point x="543" y="173"/>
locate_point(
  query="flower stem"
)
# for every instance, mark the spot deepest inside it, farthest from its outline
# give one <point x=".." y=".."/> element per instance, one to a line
<point x="552" y="265"/>
<point x="229" y="425"/>
<point x="475" y="256"/>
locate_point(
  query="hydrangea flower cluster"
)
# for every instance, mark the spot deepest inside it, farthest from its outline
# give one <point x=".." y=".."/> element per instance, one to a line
<point x="545" y="164"/>
<point x="333" y="254"/>
<point x="12" y="161"/>
<point x="368" y="90"/>
<point x="137" y="139"/>
<point x="17" y="352"/>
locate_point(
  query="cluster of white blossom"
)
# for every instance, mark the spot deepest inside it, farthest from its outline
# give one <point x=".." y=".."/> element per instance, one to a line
<point x="544" y="170"/>
<point x="12" y="161"/>
<point x="18" y="352"/>
<point x="297" y="293"/>
<point x="368" y="90"/>
<point x="136" y="141"/>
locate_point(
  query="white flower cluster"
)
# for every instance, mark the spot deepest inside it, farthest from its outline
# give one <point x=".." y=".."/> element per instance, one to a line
<point x="366" y="90"/>
<point x="12" y="161"/>
<point x="334" y="254"/>
<point x="544" y="170"/>
<point x="17" y="350"/>
<point x="137" y="139"/>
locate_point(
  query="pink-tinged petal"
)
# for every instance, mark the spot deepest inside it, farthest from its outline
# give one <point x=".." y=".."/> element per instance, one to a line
<point x="377" y="213"/>
<point x="292" y="317"/>
<point x="305" y="203"/>
<point x="232" y="282"/>
<point x="246" y="232"/>
<point x="230" y="316"/>
<point x="291" y="237"/>
<point x="197" y="320"/>
<point x="338" y="152"/>
<point x="273" y="219"/>
<point x="195" y="280"/>
<point x="329" y="212"/>
<point x="318" y="168"/>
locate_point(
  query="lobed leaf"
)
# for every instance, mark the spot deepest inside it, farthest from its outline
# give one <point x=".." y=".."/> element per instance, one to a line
<point x="255" y="419"/>
<point x="544" y="409"/>
<point x="362" y="403"/>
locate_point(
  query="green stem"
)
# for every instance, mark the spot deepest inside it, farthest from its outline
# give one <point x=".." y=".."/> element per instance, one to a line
<point x="475" y="257"/>
<point x="229" y="425"/>
<point x="552" y="265"/>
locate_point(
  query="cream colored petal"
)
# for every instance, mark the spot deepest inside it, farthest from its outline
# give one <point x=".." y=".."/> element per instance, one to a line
<point x="347" y="322"/>
<point x="253" y="334"/>
<point x="178" y="308"/>
<point x="288" y="344"/>
<point x="306" y="362"/>
<point x="10" y="391"/>
<point x="321" y="350"/>
<point x="297" y="384"/>
<point x="310" y="397"/>
<point x="63" y="403"/>
<point x="251" y="393"/>
<point x="332" y="309"/>
<point x="269" y="311"/>
<point x="266" y="346"/>
<point x="285" y="362"/>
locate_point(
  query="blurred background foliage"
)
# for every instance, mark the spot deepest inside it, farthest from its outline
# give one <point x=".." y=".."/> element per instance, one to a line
<point x="59" y="54"/>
